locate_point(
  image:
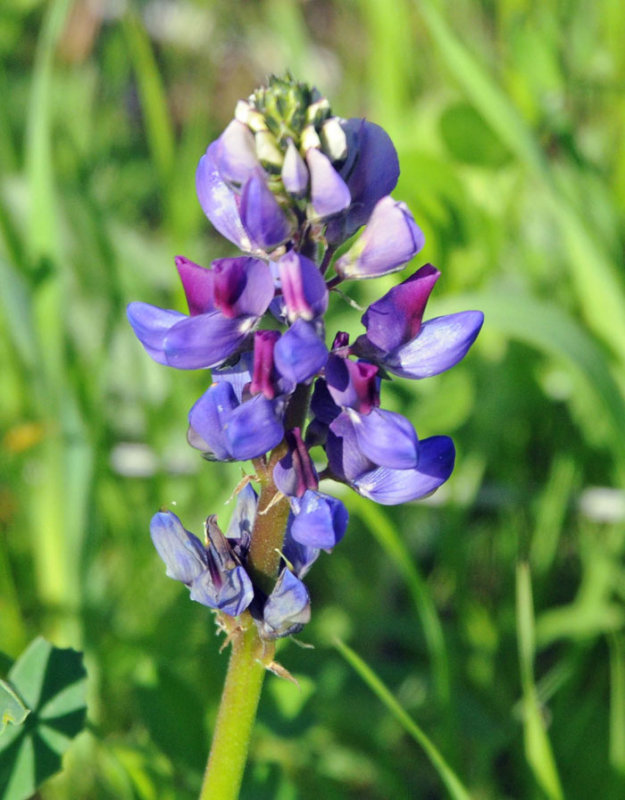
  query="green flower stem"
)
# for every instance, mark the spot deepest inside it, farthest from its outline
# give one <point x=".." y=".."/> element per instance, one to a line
<point x="237" y="713"/>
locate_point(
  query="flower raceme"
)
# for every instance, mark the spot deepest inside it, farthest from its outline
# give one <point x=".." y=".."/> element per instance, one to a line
<point x="289" y="184"/>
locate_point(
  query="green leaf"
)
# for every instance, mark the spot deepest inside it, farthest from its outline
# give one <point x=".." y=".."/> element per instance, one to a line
<point x="455" y="788"/>
<point x="12" y="707"/>
<point x="52" y="683"/>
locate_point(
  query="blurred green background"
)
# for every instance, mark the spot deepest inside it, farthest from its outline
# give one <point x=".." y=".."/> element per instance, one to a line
<point x="509" y="119"/>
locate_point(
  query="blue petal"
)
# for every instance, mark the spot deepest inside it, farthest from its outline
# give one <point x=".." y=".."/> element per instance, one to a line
<point x="208" y="418"/>
<point x="206" y="340"/>
<point x="151" y="325"/>
<point x="345" y="458"/>
<point x="182" y="552"/>
<point x="218" y="201"/>
<point x="242" y="520"/>
<point x="387" y="438"/>
<point x="233" y="595"/>
<point x="287" y="609"/>
<point x="394" y="486"/>
<point x="253" y="428"/>
<point x="300" y="556"/>
<point x="300" y="353"/>
<point x="319" y="520"/>
<point x="441" y="343"/>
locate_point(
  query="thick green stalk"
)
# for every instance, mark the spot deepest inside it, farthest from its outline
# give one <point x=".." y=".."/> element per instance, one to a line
<point x="235" y="721"/>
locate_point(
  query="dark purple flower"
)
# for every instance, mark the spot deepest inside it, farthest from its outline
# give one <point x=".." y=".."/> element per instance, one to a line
<point x="224" y="309"/>
<point x="390" y="239"/>
<point x="353" y="384"/>
<point x="401" y="343"/>
<point x="295" y="473"/>
<point x="370" y="173"/>
<point x="225" y="429"/>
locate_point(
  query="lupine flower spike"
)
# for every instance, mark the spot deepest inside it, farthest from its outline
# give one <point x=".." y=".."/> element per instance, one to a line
<point x="287" y="183"/>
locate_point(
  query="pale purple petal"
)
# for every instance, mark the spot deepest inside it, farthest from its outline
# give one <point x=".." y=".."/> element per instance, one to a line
<point x="394" y="486"/>
<point x="182" y="552"/>
<point x="294" y="172"/>
<point x="390" y="239"/>
<point x="151" y="326"/>
<point x="303" y="288"/>
<point x="206" y="340"/>
<point x="345" y="458"/>
<point x="218" y="201"/>
<point x="329" y="193"/>
<point x="287" y="609"/>
<point x="300" y="556"/>
<point x="441" y="343"/>
<point x="243" y="516"/>
<point x="236" y="153"/>
<point x="386" y="438"/>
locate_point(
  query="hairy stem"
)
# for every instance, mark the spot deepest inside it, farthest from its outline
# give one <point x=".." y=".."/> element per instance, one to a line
<point x="237" y="713"/>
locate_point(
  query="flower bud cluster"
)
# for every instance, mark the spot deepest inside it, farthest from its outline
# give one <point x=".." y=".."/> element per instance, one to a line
<point x="288" y="184"/>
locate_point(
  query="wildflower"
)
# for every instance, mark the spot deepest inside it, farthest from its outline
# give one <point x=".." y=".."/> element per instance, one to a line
<point x="287" y="183"/>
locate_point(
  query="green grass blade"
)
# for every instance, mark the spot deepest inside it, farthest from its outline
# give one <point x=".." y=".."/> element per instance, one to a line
<point x="455" y="788"/>
<point x="383" y="530"/>
<point x="44" y="228"/>
<point x="599" y="287"/>
<point x="158" y="127"/>
<point x="553" y="332"/>
<point x="617" y="702"/>
<point x="537" y="746"/>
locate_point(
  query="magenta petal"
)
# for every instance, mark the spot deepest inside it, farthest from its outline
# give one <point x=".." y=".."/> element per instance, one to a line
<point x="218" y="201"/>
<point x="243" y="286"/>
<point x="441" y="343"/>
<point x="304" y="290"/>
<point x="206" y="340"/>
<point x="329" y="193"/>
<point x="393" y="486"/>
<point x="396" y="317"/>
<point x="198" y="285"/>
<point x="386" y="438"/>
<point x="151" y="326"/>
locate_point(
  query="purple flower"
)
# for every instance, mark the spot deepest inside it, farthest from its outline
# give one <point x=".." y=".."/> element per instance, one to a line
<point x="294" y="171"/>
<point x="300" y="353"/>
<point x="287" y="608"/>
<point x="304" y="290"/>
<point x="263" y="219"/>
<point x="319" y="521"/>
<point x="401" y="343"/>
<point x="390" y="239"/>
<point x="213" y="573"/>
<point x="225" y="429"/>
<point x="370" y="171"/>
<point x="225" y="306"/>
<point x="329" y="192"/>
<point x="353" y="384"/>
<point x="295" y="473"/>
